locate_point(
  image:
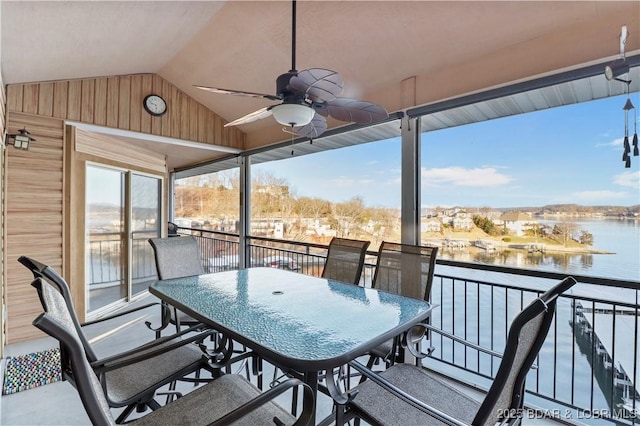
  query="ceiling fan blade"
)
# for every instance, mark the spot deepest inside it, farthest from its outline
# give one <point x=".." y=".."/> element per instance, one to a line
<point x="253" y="116"/>
<point x="315" y="128"/>
<point x="318" y="83"/>
<point x="353" y="110"/>
<point x="238" y="93"/>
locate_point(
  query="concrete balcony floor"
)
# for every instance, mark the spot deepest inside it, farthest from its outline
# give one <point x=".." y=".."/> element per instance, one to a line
<point x="59" y="404"/>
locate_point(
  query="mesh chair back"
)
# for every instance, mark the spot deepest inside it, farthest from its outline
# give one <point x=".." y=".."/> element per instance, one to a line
<point x="345" y="260"/>
<point x="177" y="257"/>
<point x="56" y="322"/>
<point x="405" y="269"/>
<point x="526" y="336"/>
<point x="40" y="270"/>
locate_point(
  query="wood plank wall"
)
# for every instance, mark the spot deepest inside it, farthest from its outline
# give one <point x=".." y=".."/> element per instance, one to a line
<point x="117" y="152"/>
<point x="117" y="102"/>
<point x="34" y="180"/>
<point x="3" y="330"/>
<point x="34" y="214"/>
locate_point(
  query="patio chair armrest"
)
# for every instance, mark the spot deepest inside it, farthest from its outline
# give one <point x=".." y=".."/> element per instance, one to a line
<point x="412" y="337"/>
<point x="222" y="356"/>
<point x="534" y="366"/>
<point x="269" y="395"/>
<point x="119" y="314"/>
<point x="149" y="350"/>
<point x="461" y="340"/>
<point x="409" y="399"/>
<point x="164" y="320"/>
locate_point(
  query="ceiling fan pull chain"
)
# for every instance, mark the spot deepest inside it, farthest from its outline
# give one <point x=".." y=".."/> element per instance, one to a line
<point x="292" y="133"/>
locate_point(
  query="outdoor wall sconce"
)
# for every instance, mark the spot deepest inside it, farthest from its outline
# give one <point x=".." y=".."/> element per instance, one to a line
<point x="613" y="71"/>
<point x="21" y="140"/>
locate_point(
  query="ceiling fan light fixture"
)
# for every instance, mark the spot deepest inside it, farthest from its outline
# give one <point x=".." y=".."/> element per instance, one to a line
<point x="293" y="115"/>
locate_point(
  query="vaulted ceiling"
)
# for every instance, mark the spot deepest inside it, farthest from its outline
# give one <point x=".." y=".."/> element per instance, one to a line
<point x="396" y="53"/>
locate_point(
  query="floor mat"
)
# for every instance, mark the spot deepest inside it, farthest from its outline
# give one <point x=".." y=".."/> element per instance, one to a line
<point x="29" y="371"/>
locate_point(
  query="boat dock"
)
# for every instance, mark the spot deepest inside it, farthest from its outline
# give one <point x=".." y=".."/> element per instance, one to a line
<point x="609" y="332"/>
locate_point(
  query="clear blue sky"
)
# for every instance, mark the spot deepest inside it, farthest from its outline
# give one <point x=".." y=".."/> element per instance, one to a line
<point x="561" y="155"/>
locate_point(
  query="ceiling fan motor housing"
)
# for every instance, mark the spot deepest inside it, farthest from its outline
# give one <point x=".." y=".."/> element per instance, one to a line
<point x="283" y="90"/>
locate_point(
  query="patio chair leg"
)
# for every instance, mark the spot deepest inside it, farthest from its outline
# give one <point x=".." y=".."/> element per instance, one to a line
<point x="246" y="369"/>
<point x="340" y="415"/>
<point x="294" y="402"/>
<point x="153" y="404"/>
<point x="257" y="369"/>
<point x="172" y="388"/>
<point x="372" y="360"/>
<point x="123" y="416"/>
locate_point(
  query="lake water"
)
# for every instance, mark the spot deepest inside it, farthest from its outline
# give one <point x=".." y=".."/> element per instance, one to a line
<point x="621" y="237"/>
<point x="567" y="363"/>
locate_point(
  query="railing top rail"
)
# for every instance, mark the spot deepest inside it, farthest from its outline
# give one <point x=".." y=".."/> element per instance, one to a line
<point x="604" y="281"/>
<point x="614" y="282"/>
<point x="300" y="243"/>
<point x="209" y="231"/>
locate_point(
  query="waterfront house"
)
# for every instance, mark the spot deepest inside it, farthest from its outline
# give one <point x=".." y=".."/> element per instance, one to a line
<point x="462" y="223"/>
<point x="515" y="222"/>
<point x="76" y="74"/>
<point x="431" y="225"/>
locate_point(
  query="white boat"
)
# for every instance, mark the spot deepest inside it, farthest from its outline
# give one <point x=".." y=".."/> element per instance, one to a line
<point x="484" y="244"/>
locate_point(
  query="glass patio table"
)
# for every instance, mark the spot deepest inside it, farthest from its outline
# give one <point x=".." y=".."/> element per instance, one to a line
<point x="296" y="322"/>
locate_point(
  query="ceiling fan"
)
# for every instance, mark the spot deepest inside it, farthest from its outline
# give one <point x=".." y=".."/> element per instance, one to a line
<point x="307" y="97"/>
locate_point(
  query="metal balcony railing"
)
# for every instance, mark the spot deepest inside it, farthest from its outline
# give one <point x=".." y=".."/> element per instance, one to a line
<point x="588" y="370"/>
<point x="106" y="259"/>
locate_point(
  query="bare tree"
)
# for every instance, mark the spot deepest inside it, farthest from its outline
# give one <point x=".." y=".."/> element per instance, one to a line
<point x="312" y="207"/>
<point x="565" y="230"/>
<point x="270" y="195"/>
<point x="586" y="237"/>
<point x="349" y="216"/>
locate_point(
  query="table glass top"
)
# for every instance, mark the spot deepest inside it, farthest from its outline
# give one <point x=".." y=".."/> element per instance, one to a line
<point x="294" y="315"/>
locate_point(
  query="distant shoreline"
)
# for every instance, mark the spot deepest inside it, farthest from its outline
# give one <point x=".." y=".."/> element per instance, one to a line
<point x="466" y="240"/>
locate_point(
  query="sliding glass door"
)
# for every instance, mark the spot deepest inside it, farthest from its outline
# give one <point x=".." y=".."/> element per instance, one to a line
<point x="145" y="224"/>
<point x="123" y="212"/>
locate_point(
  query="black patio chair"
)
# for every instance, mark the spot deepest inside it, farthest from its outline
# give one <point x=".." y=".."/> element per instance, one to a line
<point x="345" y="260"/>
<point x="406" y="270"/>
<point x="130" y="379"/>
<point x="411" y="395"/>
<point x="172" y="229"/>
<point x="178" y="257"/>
<point x="227" y="399"/>
<point x="40" y="270"/>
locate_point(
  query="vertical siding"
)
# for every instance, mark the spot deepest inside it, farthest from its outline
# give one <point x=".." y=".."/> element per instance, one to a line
<point x="3" y="276"/>
<point x="117" y="102"/>
<point x="34" y="213"/>
<point x="34" y="180"/>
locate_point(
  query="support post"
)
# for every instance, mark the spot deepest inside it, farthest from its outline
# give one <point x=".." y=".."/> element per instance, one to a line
<point x="410" y="187"/>
<point x="244" y="249"/>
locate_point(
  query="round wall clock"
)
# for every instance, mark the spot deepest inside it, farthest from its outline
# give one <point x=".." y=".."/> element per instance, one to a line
<point x="155" y="105"/>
